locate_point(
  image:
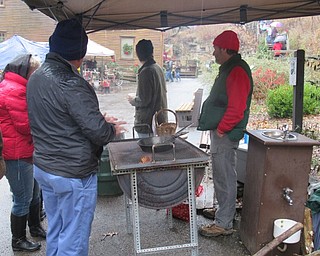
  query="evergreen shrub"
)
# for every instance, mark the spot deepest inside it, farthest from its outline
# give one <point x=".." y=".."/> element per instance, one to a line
<point x="280" y="101"/>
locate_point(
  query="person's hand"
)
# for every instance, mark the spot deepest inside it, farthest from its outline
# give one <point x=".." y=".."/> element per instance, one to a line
<point x="118" y="125"/>
<point x="110" y="119"/>
<point x="131" y="97"/>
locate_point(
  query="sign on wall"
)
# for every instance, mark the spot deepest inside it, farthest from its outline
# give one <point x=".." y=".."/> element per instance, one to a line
<point x="127" y="47"/>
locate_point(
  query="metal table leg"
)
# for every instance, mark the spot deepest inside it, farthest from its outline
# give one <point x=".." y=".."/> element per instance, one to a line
<point x="192" y="211"/>
<point x="128" y="205"/>
<point x="135" y="210"/>
<point x="170" y="222"/>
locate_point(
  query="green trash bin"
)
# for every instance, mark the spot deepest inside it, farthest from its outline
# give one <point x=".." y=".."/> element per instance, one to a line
<point x="107" y="183"/>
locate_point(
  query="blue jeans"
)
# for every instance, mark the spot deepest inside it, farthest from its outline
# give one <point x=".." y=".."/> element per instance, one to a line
<point x="24" y="188"/>
<point x="177" y="76"/>
<point x="223" y="152"/>
<point x="70" y="204"/>
<point x="169" y="75"/>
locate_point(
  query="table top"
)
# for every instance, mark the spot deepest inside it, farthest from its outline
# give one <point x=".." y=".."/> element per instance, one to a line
<point x="125" y="157"/>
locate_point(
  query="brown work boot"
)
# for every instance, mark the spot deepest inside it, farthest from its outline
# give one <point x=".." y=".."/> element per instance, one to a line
<point x="209" y="213"/>
<point x="212" y="231"/>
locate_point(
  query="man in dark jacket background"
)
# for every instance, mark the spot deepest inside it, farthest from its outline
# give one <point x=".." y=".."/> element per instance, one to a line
<point x="227" y="109"/>
<point x="151" y="95"/>
<point x="68" y="131"/>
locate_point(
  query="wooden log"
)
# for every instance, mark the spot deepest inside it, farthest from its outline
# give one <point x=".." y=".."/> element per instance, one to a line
<point x="307" y="242"/>
<point x="270" y="246"/>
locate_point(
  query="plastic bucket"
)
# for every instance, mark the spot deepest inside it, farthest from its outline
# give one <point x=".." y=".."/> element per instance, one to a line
<point x="282" y="225"/>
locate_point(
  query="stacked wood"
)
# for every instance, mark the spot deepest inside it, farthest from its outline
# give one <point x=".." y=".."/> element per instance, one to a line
<point x="313" y="63"/>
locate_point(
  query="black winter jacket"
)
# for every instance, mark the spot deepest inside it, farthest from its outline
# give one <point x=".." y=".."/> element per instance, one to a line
<point x="67" y="126"/>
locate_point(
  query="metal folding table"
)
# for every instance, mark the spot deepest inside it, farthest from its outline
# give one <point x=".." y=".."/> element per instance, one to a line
<point x="125" y="158"/>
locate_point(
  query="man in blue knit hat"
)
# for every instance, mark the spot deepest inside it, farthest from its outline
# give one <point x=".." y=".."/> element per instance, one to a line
<point x="69" y="132"/>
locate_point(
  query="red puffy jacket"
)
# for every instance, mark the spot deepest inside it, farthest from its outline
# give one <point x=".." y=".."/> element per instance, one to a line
<point x="14" y="121"/>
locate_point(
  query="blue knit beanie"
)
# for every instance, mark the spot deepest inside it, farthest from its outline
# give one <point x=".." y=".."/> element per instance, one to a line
<point x="69" y="40"/>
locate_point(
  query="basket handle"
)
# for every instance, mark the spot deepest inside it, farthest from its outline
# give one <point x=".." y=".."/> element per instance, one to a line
<point x="160" y="111"/>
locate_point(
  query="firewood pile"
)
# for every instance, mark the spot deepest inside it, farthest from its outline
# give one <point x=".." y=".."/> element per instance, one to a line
<point x="313" y="63"/>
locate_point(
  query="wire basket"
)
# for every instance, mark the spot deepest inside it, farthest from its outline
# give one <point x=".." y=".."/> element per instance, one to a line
<point x="168" y="128"/>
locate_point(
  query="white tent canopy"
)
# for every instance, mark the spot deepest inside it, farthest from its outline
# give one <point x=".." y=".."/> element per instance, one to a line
<point x="95" y="49"/>
<point x="17" y="45"/>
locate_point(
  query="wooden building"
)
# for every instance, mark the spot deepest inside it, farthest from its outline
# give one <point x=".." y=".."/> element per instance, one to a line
<point x="17" y="18"/>
<point x="123" y="43"/>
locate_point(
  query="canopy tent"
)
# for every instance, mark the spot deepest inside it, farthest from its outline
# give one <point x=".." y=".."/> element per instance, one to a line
<point x="165" y="14"/>
<point x="95" y="49"/>
<point x="17" y="45"/>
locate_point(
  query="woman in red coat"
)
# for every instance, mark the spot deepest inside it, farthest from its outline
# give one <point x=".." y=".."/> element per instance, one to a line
<point x="17" y="153"/>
